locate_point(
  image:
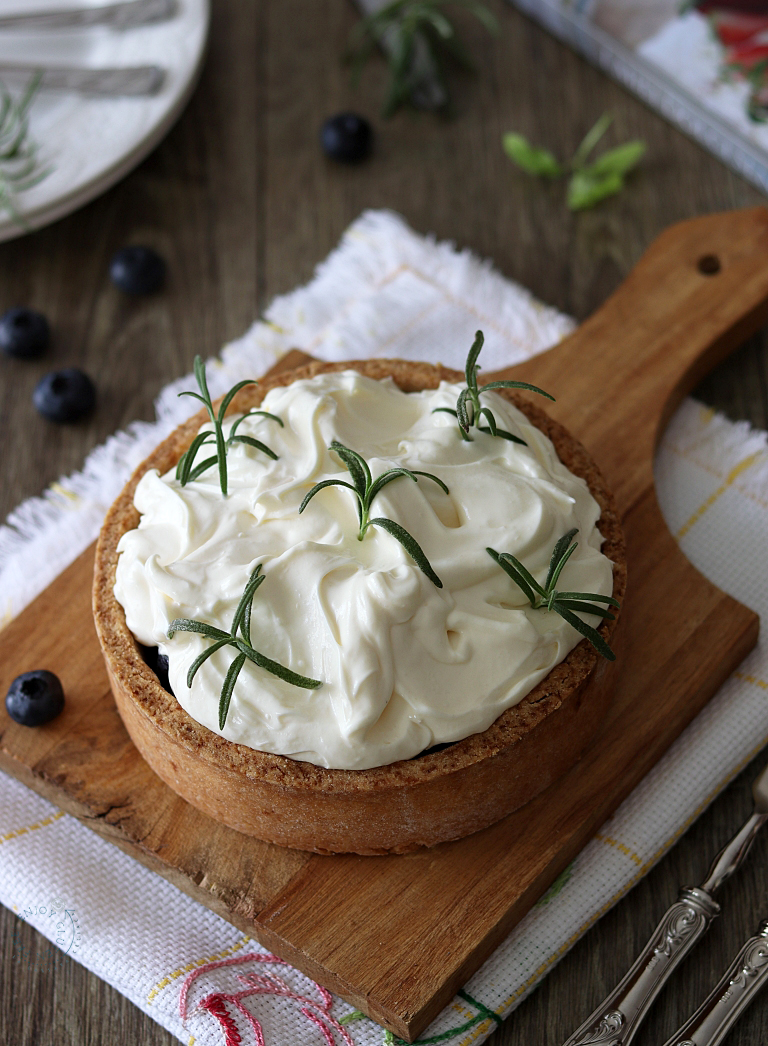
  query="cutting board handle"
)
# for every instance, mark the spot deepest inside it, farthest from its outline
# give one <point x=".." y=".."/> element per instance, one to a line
<point x="697" y="293"/>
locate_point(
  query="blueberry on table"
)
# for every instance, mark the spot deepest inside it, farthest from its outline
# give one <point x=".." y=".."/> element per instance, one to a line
<point x="34" y="698"/>
<point x="346" y="137"/>
<point x="24" y="333"/>
<point x="65" y="395"/>
<point x="137" y="270"/>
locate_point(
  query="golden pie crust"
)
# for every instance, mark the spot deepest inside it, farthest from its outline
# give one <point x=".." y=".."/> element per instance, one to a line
<point x="441" y="795"/>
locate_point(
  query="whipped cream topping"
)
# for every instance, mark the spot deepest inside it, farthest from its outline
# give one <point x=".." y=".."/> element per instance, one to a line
<point x="404" y="665"/>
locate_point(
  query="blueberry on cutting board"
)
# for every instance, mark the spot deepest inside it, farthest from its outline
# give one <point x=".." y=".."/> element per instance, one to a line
<point x="346" y="137"/>
<point x="24" y="333"/>
<point x="35" y="698"/>
<point x="137" y="270"/>
<point x="65" y="395"/>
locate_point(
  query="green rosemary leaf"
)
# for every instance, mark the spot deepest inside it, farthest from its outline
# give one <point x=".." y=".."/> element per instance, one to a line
<point x="251" y="414"/>
<point x="184" y="624"/>
<point x="245" y="600"/>
<point x="491" y="420"/>
<point x="221" y="454"/>
<point x="197" y="396"/>
<point x="515" y="385"/>
<point x="589" y="596"/>
<point x="186" y="461"/>
<point x="558" y="552"/>
<point x="357" y="466"/>
<point x="461" y="410"/>
<point x="277" y="669"/>
<point x="530" y="158"/>
<point x="507" y="564"/>
<point x="503" y="434"/>
<point x="198" y="470"/>
<point x="619" y="161"/>
<point x="592" y="137"/>
<point x="411" y="546"/>
<point x="180" y="465"/>
<point x="470" y="367"/>
<point x="507" y="557"/>
<point x="559" y="566"/>
<point x="585" y="189"/>
<point x="229" y="686"/>
<point x="231" y="395"/>
<point x="587" y="631"/>
<point x="327" y="483"/>
<point x="263" y="414"/>
<point x="436" y="479"/>
<point x="445" y="410"/>
<point x="202" y="382"/>
<point x="582" y="608"/>
<point x="384" y="479"/>
<point x="245" y="626"/>
<point x="202" y="658"/>
<point x="253" y="443"/>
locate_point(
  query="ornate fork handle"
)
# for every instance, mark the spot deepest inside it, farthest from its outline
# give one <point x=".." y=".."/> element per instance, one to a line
<point x="743" y="979"/>
<point x="618" y="1017"/>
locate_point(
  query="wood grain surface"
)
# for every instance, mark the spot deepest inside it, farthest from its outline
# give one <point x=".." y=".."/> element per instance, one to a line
<point x="243" y="206"/>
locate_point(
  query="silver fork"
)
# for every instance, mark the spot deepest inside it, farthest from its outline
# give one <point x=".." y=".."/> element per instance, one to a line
<point x="124" y="15"/>
<point x="617" y="1018"/>
<point x="137" y="80"/>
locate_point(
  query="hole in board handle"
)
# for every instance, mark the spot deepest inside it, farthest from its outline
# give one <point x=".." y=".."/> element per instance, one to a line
<point x="708" y="265"/>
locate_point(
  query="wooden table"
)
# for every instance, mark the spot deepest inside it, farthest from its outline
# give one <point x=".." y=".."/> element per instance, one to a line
<point x="243" y="205"/>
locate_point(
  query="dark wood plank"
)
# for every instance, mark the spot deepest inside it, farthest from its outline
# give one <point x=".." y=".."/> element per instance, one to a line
<point x="239" y="242"/>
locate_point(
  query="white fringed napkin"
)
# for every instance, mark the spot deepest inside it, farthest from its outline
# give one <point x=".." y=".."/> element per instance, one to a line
<point x="384" y="292"/>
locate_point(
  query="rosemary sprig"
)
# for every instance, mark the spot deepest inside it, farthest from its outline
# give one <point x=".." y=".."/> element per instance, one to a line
<point x="241" y="622"/>
<point x="588" y="183"/>
<point x="19" y="166"/>
<point x="468" y="409"/>
<point x="365" y="488"/>
<point x="566" y="604"/>
<point x="418" y="40"/>
<point x="186" y="470"/>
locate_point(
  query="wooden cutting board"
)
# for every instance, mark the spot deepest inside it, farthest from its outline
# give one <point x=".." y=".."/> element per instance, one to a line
<point x="397" y="936"/>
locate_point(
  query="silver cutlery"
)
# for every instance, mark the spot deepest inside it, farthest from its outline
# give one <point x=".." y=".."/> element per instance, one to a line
<point x="128" y="80"/>
<point x="738" y="986"/>
<point x="618" y="1017"/>
<point x="124" y="15"/>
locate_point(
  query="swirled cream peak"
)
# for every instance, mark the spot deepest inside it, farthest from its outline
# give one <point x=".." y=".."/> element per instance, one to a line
<point x="404" y="665"/>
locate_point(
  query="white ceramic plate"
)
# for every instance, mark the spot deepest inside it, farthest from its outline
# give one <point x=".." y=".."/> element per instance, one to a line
<point x="91" y="143"/>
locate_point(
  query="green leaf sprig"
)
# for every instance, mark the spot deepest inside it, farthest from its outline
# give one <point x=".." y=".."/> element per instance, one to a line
<point x="241" y="622"/>
<point x="418" y="40"/>
<point x="20" y="168"/>
<point x="186" y="470"/>
<point x="468" y="408"/>
<point x="588" y="183"/>
<point x="566" y="604"/>
<point x="365" y="488"/>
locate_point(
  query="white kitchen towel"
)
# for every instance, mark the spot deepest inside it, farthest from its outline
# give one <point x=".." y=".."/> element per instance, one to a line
<point x="384" y="292"/>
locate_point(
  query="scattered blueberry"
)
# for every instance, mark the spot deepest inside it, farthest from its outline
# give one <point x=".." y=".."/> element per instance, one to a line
<point x="158" y="663"/>
<point x="137" y="270"/>
<point x="65" y="395"/>
<point x="24" y="333"/>
<point x="34" y="698"/>
<point x="162" y="672"/>
<point x="346" y="137"/>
